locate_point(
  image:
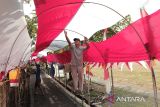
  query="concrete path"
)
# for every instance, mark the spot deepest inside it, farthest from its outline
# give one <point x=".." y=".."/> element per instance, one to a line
<point x="53" y="96"/>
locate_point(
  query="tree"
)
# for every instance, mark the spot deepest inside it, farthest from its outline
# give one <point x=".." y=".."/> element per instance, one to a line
<point x="32" y="27"/>
<point x="27" y="1"/>
<point x="111" y="31"/>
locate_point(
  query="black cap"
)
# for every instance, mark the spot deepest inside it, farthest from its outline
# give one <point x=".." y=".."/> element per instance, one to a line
<point x="76" y="39"/>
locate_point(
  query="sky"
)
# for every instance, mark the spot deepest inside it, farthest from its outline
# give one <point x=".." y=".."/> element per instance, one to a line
<point x="101" y="14"/>
<point x="150" y="5"/>
<point x="124" y="7"/>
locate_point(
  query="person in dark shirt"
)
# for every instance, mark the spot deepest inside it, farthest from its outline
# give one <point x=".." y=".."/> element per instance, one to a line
<point x="52" y="70"/>
<point x="38" y="77"/>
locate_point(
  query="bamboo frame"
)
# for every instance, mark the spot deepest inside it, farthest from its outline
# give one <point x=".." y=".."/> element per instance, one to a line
<point x="152" y="70"/>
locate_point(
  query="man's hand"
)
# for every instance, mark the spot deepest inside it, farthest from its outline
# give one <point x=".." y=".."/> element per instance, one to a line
<point x="85" y="38"/>
<point x="65" y="32"/>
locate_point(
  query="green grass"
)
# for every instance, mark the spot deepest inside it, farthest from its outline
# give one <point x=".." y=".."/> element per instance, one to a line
<point x="140" y="79"/>
<point x="133" y="84"/>
<point x="119" y="93"/>
<point x="129" y="84"/>
<point x="147" y="102"/>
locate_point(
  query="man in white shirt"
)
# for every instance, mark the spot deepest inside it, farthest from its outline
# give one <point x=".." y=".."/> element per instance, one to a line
<point x="77" y="61"/>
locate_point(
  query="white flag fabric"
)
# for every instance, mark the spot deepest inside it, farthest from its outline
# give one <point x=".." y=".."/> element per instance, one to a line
<point x="14" y="37"/>
<point x="92" y="17"/>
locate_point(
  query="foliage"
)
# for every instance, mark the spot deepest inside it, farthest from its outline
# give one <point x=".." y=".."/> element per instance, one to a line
<point x="98" y="36"/>
<point x="32" y="26"/>
<point x="62" y="50"/>
<point x="27" y="1"/>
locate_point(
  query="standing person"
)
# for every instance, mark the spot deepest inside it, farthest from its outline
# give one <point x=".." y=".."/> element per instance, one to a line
<point x="52" y="71"/>
<point x="77" y="62"/>
<point x="38" y="78"/>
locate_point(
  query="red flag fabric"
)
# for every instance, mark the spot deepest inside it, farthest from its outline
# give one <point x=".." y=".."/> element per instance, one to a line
<point x="106" y="74"/>
<point x="43" y="59"/>
<point x="88" y="70"/>
<point x="37" y="60"/>
<point x="127" y="64"/>
<point x="53" y="17"/>
<point x="2" y="73"/>
<point x="63" y="58"/>
<point x="125" y="46"/>
<point x="149" y="64"/>
<point x="150" y="25"/>
<point x="94" y="64"/>
<point x="143" y="12"/>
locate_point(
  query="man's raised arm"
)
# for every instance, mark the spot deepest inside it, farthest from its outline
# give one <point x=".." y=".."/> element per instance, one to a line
<point x="69" y="42"/>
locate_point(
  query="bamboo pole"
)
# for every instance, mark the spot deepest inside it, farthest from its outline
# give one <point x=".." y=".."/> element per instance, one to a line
<point x="152" y="70"/>
<point x="89" y="88"/>
<point x="154" y="87"/>
<point x="112" y="82"/>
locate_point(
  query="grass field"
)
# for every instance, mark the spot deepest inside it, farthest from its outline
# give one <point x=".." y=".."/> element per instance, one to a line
<point x="139" y="78"/>
<point x="137" y="83"/>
